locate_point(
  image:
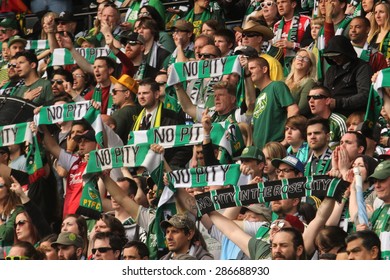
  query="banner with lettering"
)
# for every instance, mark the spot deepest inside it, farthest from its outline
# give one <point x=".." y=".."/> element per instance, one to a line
<point x="62" y="113"/>
<point x="319" y="186"/>
<point x="21" y="133"/>
<point x="193" y="70"/>
<point x="217" y="175"/>
<point x="224" y="134"/>
<point x="63" y="56"/>
<point x="15" y="134"/>
<point x="37" y="45"/>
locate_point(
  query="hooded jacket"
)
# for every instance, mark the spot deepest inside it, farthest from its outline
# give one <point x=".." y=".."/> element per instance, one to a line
<point x="349" y="83"/>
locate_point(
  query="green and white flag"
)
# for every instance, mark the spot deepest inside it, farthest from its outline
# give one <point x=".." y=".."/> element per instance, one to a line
<point x="193" y="70"/>
<point x="93" y="117"/>
<point x="15" y="134"/>
<point x="62" y="113"/>
<point x="375" y="97"/>
<point x="224" y="134"/>
<point x="217" y="175"/>
<point x="37" y="45"/>
<point x="319" y="186"/>
<point x="63" y="56"/>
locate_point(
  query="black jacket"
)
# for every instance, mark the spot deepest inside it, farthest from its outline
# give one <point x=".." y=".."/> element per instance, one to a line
<point x="350" y="83"/>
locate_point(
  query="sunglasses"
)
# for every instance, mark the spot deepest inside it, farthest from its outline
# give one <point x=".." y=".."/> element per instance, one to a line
<point x="2" y="186"/>
<point x="279" y="224"/>
<point x="304" y="58"/>
<point x="133" y="43"/>
<point x="21" y="223"/>
<point x="114" y="91"/>
<point x="207" y="55"/>
<point x="250" y="35"/>
<point x="316" y="97"/>
<point x="267" y="4"/>
<point x="16" y="258"/>
<point x="4" y="30"/>
<point x="101" y="250"/>
<point x="161" y="83"/>
<point x="59" y="82"/>
<point x="144" y="14"/>
<point x="10" y="65"/>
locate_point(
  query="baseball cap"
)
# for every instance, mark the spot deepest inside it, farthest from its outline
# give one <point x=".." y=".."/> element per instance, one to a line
<point x="246" y="50"/>
<point x="88" y="134"/>
<point x="65" y="16"/>
<point x="382" y="171"/>
<point x="295" y="222"/>
<point x="15" y="39"/>
<point x="133" y="37"/>
<point x="9" y="23"/>
<point x="261" y="209"/>
<point x="126" y="81"/>
<point x="180" y="221"/>
<point x="90" y="39"/>
<point x="290" y="160"/>
<point x="67" y="239"/>
<point x="252" y="152"/>
<point x="183" y="25"/>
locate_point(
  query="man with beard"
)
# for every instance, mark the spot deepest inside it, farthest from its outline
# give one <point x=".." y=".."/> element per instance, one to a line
<point x="60" y="77"/>
<point x="287" y="244"/>
<point x="14" y="81"/>
<point x="69" y="246"/>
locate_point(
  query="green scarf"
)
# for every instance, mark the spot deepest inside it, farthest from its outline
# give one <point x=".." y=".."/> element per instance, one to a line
<point x="384" y="46"/>
<point x="62" y="113"/>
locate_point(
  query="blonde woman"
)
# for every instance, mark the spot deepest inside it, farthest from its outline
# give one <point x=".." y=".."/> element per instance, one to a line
<point x="379" y="36"/>
<point x="302" y="78"/>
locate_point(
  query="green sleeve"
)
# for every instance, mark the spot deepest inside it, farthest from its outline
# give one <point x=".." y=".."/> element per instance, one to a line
<point x="159" y="7"/>
<point x="283" y="95"/>
<point x="259" y="249"/>
<point x="7" y="229"/>
<point x="303" y="104"/>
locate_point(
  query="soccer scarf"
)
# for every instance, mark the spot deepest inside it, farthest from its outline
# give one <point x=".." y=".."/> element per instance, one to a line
<point x="217" y="175"/>
<point x="358" y="9"/>
<point x="342" y="25"/>
<point x="62" y="113"/>
<point x="292" y="37"/>
<point x="366" y="52"/>
<point x="157" y="120"/>
<point x="224" y="134"/>
<point x="37" y="45"/>
<point x="375" y="97"/>
<point x="192" y="70"/>
<point x="132" y="12"/>
<point x="21" y="133"/>
<point x="322" y="165"/>
<point x="63" y="56"/>
<point x="320" y="48"/>
<point x="152" y="55"/>
<point x="384" y="46"/>
<point x="97" y="96"/>
<point x="10" y="91"/>
<point x="254" y="5"/>
<point x="320" y="186"/>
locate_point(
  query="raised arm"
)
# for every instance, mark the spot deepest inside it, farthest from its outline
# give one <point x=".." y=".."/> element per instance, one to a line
<point x="185" y="101"/>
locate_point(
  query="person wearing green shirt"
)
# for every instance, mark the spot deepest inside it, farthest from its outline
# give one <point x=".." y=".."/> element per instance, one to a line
<point x="35" y="89"/>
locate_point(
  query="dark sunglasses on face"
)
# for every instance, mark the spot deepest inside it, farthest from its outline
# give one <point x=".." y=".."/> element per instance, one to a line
<point x="16" y="258"/>
<point x="21" y="223"/>
<point x="59" y="82"/>
<point x="250" y="35"/>
<point x="316" y="97"/>
<point x="101" y="250"/>
<point x="11" y="65"/>
<point x="161" y="83"/>
<point x="115" y="91"/>
<point x="2" y="186"/>
<point x="132" y="43"/>
<point x="207" y="55"/>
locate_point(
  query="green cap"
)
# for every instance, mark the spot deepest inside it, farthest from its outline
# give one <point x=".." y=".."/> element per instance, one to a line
<point x="252" y="152"/>
<point x="382" y="171"/>
<point x="16" y="39"/>
<point x="68" y="239"/>
<point x="9" y="23"/>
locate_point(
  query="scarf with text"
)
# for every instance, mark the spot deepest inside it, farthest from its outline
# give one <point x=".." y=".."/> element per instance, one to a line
<point x="224" y="134"/>
<point x="97" y="96"/>
<point x="192" y="70"/>
<point x="217" y="175"/>
<point x="21" y="133"/>
<point x="63" y="56"/>
<point x="320" y="186"/>
<point x="62" y="113"/>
